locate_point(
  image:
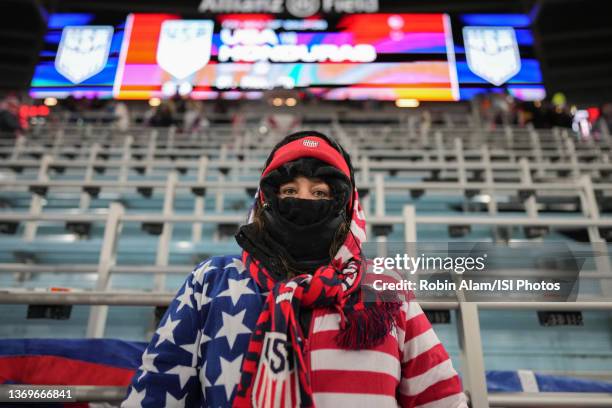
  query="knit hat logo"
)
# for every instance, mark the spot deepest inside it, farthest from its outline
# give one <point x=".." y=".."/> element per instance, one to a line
<point x="310" y="143"/>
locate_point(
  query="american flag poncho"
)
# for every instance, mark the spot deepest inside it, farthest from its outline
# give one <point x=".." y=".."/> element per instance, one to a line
<point x="195" y="357"/>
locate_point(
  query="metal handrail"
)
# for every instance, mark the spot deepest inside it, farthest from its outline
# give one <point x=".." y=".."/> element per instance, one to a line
<point x="373" y="219"/>
<point x="550" y="399"/>
<point x="131" y="298"/>
<point x="569" y="185"/>
<point x="387" y="164"/>
<point x="11" y="267"/>
<point x="139" y="298"/>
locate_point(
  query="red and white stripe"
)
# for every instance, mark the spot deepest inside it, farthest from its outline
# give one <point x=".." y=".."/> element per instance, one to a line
<point x="410" y="368"/>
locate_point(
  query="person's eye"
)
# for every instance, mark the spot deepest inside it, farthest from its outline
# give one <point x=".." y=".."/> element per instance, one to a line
<point x="321" y="194"/>
<point x="288" y="191"/>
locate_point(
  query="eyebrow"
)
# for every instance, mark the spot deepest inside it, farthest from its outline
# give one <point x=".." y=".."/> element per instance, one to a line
<point x="317" y="181"/>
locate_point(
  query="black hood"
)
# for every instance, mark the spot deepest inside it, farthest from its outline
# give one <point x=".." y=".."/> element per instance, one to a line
<point x="297" y="231"/>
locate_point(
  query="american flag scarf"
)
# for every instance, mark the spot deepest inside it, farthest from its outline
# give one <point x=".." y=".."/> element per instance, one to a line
<point x="274" y="371"/>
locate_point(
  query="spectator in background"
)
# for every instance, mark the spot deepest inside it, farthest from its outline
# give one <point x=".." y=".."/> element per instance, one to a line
<point x="193" y="118"/>
<point x="605" y="120"/>
<point x="425" y="122"/>
<point x="75" y="109"/>
<point x="239" y="122"/>
<point x="282" y="123"/>
<point x="525" y="113"/>
<point x="482" y="101"/>
<point x="122" y="115"/>
<point x="10" y="124"/>
<point x="561" y="117"/>
<point x="542" y="116"/>
<point x="164" y="115"/>
<point x="500" y="108"/>
<point x="221" y="107"/>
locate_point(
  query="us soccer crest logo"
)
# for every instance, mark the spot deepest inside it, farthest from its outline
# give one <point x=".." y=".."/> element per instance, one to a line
<point x="492" y="53"/>
<point x="184" y="46"/>
<point x="83" y="51"/>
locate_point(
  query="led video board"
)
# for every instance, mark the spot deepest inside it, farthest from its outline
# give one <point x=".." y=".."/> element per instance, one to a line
<point x="433" y="57"/>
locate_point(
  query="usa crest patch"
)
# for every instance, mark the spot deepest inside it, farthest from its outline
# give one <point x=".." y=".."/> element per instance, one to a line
<point x="492" y="53"/>
<point x="83" y="51"/>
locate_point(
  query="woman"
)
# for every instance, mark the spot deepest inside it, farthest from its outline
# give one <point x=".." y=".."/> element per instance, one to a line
<point x="288" y="322"/>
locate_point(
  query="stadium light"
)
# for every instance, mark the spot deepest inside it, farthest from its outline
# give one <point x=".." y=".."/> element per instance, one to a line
<point x="50" y="101"/>
<point x="407" y="103"/>
<point x="154" y="102"/>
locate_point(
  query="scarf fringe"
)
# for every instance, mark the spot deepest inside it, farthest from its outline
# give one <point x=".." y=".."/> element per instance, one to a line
<point x="368" y="327"/>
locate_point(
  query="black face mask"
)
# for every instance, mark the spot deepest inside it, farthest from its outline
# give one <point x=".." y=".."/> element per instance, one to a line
<point x="305" y="228"/>
<point x="297" y="233"/>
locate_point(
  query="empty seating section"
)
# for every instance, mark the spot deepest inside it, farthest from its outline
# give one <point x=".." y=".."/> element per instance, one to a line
<point x="121" y="219"/>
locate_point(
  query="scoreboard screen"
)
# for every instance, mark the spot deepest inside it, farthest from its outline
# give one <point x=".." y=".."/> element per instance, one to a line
<point x="429" y="57"/>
